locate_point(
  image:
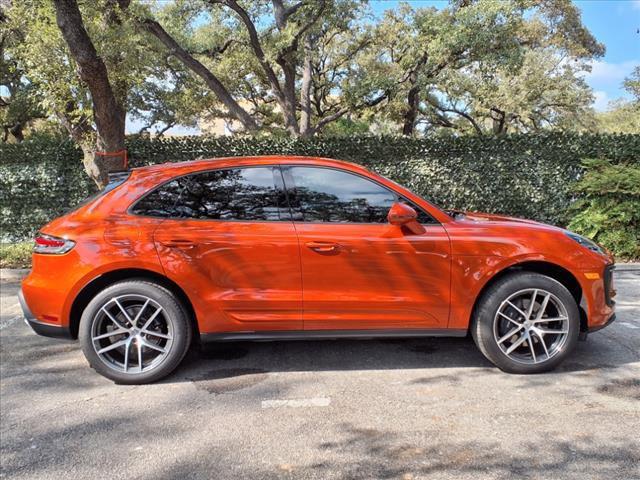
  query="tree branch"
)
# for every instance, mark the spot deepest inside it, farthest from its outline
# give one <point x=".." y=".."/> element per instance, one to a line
<point x="344" y="110"/>
<point x="282" y="14"/>
<point x="203" y="72"/>
<point x="213" y="52"/>
<point x="254" y="40"/>
<point x="456" y="111"/>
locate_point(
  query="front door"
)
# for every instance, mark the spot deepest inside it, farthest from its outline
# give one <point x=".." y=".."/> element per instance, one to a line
<point x="231" y="243"/>
<point x="358" y="271"/>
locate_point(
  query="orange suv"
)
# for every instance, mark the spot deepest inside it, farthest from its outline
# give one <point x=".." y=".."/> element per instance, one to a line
<point x="290" y="248"/>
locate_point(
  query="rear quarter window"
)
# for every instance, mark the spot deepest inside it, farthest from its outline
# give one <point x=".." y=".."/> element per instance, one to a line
<point x="160" y="202"/>
<point x="115" y="180"/>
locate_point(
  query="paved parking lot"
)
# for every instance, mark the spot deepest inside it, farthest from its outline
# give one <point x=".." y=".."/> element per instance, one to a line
<point x="408" y="409"/>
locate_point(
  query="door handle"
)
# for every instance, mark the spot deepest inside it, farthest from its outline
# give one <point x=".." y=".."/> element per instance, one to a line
<point x="178" y="243"/>
<point x="323" y="247"/>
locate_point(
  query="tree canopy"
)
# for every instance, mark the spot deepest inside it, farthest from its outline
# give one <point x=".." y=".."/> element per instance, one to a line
<point x="294" y="67"/>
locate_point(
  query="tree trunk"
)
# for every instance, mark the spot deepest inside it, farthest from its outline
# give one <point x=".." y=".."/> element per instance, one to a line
<point x="108" y="113"/>
<point x="499" y="122"/>
<point x="17" y="132"/>
<point x="287" y="100"/>
<point x="305" y="90"/>
<point x="413" y="102"/>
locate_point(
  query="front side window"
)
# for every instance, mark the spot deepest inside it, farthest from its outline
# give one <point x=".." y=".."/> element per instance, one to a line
<point x="328" y="195"/>
<point x="241" y="194"/>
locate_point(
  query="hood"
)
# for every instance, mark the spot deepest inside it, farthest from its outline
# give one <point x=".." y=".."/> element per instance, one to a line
<point x="490" y="218"/>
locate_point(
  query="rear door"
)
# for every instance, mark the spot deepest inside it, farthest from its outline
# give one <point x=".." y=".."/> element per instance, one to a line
<point x="229" y="240"/>
<point x="358" y="271"/>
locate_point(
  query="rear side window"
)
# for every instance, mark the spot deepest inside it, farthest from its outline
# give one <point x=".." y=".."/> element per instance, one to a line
<point x="241" y="194"/>
<point x="161" y="202"/>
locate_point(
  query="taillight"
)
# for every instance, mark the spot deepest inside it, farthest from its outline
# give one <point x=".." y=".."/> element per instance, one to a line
<point x="52" y="245"/>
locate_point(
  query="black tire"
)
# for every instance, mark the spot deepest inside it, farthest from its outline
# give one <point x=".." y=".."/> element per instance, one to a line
<point x="173" y="314"/>
<point x="483" y="327"/>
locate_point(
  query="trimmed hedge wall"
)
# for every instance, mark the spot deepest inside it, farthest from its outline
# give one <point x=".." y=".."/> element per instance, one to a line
<point x="529" y="176"/>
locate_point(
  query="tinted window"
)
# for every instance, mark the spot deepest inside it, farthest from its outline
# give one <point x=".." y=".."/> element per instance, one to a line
<point x="327" y="195"/>
<point x="423" y="217"/>
<point x="248" y="194"/>
<point x="161" y="202"/>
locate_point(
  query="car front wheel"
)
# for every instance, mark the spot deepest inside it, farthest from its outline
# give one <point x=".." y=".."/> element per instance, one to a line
<point x="134" y="332"/>
<point x="526" y="323"/>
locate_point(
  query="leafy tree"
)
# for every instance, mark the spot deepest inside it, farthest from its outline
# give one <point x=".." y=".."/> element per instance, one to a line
<point x="169" y="96"/>
<point x="268" y="64"/>
<point x="632" y="84"/>
<point x="20" y="106"/>
<point x="93" y="58"/>
<point x="453" y="67"/>
<point x="623" y="116"/>
<point x="546" y="92"/>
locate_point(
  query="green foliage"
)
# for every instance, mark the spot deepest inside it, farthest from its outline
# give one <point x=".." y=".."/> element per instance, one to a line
<point x="621" y="117"/>
<point x="39" y="179"/>
<point x="469" y="66"/>
<point x="529" y="176"/>
<point x="484" y="67"/>
<point x="632" y="84"/>
<point x="43" y="58"/>
<point x="609" y="210"/>
<point x="16" y="255"/>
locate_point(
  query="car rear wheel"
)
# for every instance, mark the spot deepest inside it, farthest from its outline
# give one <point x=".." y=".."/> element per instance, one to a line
<point x="526" y="323"/>
<point x="134" y="332"/>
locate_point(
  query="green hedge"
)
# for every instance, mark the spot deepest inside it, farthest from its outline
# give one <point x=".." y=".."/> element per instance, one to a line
<point x="523" y="175"/>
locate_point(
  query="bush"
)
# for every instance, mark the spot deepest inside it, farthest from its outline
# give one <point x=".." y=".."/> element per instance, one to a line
<point x="16" y="255"/>
<point x="609" y="210"/>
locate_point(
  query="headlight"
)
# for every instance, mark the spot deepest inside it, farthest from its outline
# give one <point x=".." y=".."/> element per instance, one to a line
<point x="585" y="242"/>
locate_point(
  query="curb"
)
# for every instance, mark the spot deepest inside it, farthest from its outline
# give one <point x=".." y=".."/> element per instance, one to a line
<point x="13" y="274"/>
<point x="627" y="267"/>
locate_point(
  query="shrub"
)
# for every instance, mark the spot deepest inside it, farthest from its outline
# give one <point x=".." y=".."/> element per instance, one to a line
<point x="17" y="255"/>
<point x="609" y="208"/>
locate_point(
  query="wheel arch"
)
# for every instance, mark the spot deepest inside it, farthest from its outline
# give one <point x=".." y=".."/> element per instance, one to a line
<point x="102" y="281"/>
<point x="549" y="269"/>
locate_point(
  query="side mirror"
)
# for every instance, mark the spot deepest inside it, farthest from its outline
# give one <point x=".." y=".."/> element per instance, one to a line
<point x="402" y="214"/>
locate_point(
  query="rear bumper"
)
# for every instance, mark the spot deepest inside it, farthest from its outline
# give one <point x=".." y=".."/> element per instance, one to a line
<point x="41" y="328"/>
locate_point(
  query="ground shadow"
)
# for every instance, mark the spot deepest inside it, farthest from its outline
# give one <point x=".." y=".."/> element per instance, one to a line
<point x="231" y="359"/>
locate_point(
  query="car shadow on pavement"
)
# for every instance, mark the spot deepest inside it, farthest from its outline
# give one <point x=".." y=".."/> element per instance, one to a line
<point x="236" y="359"/>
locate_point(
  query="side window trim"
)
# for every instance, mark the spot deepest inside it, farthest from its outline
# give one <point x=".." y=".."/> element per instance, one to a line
<point x="289" y="184"/>
<point x="279" y="185"/>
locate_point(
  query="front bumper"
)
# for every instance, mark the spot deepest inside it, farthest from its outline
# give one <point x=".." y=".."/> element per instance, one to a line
<point x="41" y="328"/>
<point x="611" y="319"/>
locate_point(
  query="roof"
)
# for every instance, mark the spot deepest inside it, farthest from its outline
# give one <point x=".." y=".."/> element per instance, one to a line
<point x="194" y="165"/>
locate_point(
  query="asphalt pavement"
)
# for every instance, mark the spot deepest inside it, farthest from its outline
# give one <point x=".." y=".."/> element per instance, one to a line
<point x="407" y="409"/>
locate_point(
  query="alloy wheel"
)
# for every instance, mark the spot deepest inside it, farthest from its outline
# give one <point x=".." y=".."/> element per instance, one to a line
<point x="531" y="326"/>
<point x="131" y="333"/>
